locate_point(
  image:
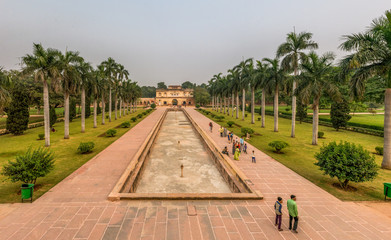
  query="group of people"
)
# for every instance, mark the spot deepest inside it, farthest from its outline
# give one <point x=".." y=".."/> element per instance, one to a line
<point x="238" y="146"/>
<point x="292" y="210"/>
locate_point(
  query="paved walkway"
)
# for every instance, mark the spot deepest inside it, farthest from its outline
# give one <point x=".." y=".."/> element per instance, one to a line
<point x="77" y="207"/>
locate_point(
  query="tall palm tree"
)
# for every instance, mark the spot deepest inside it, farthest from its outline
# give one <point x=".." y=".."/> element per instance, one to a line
<point x="85" y="72"/>
<point x="275" y="77"/>
<point x="372" y="57"/>
<point x="110" y="67"/>
<point x="235" y="88"/>
<point x="122" y="75"/>
<point x="103" y="86"/>
<point x="69" y="80"/>
<point x="260" y="82"/>
<point x="293" y="52"/>
<point x="316" y="78"/>
<point x="43" y="63"/>
<point x="5" y="82"/>
<point x="96" y="90"/>
<point x="242" y="69"/>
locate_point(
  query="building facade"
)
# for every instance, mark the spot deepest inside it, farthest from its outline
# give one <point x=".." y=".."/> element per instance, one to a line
<point x="174" y="95"/>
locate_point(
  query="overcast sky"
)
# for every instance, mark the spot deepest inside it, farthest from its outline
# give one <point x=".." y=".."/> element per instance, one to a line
<point x="176" y="40"/>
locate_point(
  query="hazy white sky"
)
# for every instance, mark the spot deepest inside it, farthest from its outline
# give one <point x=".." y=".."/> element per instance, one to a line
<point x="176" y="40"/>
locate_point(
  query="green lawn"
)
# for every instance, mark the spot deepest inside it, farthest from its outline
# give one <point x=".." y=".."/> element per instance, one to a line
<point x="299" y="156"/>
<point x="66" y="156"/>
<point x="369" y="119"/>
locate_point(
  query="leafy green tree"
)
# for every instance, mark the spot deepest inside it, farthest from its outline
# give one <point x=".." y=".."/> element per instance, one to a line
<point x="161" y="85"/>
<point x="5" y="82"/>
<point x="358" y="107"/>
<point x="371" y="57"/>
<point x="188" y="84"/>
<point x="72" y="109"/>
<point x="148" y="91"/>
<point x="293" y="52"/>
<point x="53" y="116"/>
<point x="339" y="114"/>
<point x="29" y="166"/>
<point x="18" y="111"/>
<point x="278" y="145"/>
<point x="88" y="107"/>
<point x="301" y="111"/>
<point x="201" y="96"/>
<point x="347" y="162"/>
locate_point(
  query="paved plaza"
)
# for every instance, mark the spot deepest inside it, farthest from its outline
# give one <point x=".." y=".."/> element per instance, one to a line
<point x="77" y="208"/>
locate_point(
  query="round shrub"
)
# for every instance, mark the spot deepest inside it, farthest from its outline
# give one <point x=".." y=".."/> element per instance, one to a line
<point x="133" y="119"/>
<point x="320" y="134"/>
<point x="278" y="145"/>
<point x="379" y="150"/>
<point x="245" y="130"/>
<point x="198" y="106"/>
<point x="111" y="133"/>
<point x="219" y="118"/>
<point x="29" y="166"/>
<point x="230" y="123"/>
<point x="153" y="106"/>
<point x="41" y="136"/>
<point x="140" y="115"/>
<point x="259" y="119"/>
<point x="245" y="114"/>
<point x="86" y="147"/>
<point x="347" y="162"/>
<point x="125" y="124"/>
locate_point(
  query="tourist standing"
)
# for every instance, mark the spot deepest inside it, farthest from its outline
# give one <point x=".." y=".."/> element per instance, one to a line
<point x="229" y="137"/>
<point x="253" y="158"/>
<point x="233" y="148"/>
<point x="221" y="131"/>
<point x="245" y="148"/>
<point x="237" y="154"/>
<point x="232" y="137"/>
<point x="278" y="210"/>
<point x="293" y="214"/>
<point x="241" y="143"/>
<point x="211" y="126"/>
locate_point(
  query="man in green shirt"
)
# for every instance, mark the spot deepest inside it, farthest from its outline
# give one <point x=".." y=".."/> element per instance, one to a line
<point x="293" y="214"/>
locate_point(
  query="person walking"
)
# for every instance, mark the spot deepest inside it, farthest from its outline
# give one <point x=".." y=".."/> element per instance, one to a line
<point x="211" y="126"/>
<point x="229" y="137"/>
<point x="293" y="214"/>
<point x="278" y="210"/>
<point x="232" y="137"/>
<point x="245" y="148"/>
<point x="221" y="131"/>
<point x="253" y="158"/>
<point x="233" y="148"/>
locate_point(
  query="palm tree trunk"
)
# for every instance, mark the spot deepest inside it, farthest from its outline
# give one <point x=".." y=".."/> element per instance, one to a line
<point x="110" y="105"/>
<point x="252" y="104"/>
<point x="237" y="104"/>
<point x="315" y="123"/>
<point x="115" y="105"/>
<point x="83" y="110"/>
<point x="243" y="103"/>
<point x="120" y="107"/>
<point x="228" y="105"/>
<point x="66" y="115"/>
<point x="95" y="112"/>
<point x="276" y="110"/>
<point x="263" y="107"/>
<point x="46" y="114"/>
<point x="233" y="103"/>
<point x="103" y="109"/>
<point x="387" y="130"/>
<point x="213" y="102"/>
<point x="294" y="106"/>
<point x="225" y="104"/>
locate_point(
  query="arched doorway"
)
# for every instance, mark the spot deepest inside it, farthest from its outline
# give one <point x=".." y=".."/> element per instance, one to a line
<point x="174" y="102"/>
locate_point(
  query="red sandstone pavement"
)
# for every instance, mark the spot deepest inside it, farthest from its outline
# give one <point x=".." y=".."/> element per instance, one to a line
<point x="77" y="207"/>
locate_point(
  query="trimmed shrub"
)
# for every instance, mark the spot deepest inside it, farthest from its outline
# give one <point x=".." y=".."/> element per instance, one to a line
<point x="347" y="162"/>
<point x="18" y="111"/>
<point x="41" y="136"/>
<point x="198" y="106"/>
<point x="230" y="123"/>
<point x="153" y="106"/>
<point x="144" y="113"/>
<point x="86" y="147"/>
<point x="111" y="133"/>
<point x="259" y="119"/>
<point x="245" y="130"/>
<point x="125" y="124"/>
<point x="29" y="166"/>
<point x="139" y="115"/>
<point x="287" y="109"/>
<point x="72" y="109"/>
<point x="379" y="150"/>
<point x="219" y="118"/>
<point x="245" y="115"/>
<point x="133" y="119"/>
<point x="53" y="116"/>
<point x="278" y="145"/>
<point x="320" y="134"/>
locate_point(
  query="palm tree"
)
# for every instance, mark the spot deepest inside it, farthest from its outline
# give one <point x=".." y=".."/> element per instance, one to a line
<point x="5" y="82"/>
<point x="43" y="63"/>
<point x="122" y="74"/>
<point x="242" y="69"/>
<point x="85" y="72"/>
<point x="315" y="78"/>
<point x="260" y="82"/>
<point x="235" y="88"/>
<point x="103" y="87"/>
<point x="109" y="69"/>
<point x="274" y="80"/>
<point x="69" y="79"/>
<point x="292" y="50"/>
<point x="372" y="57"/>
<point x="96" y="90"/>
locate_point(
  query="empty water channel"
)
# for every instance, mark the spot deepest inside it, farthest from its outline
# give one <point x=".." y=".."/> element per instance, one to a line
<point x="178" y="144"/>
<point x="156" y="172"/>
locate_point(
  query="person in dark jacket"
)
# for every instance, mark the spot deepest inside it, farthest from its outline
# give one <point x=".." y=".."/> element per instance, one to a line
<point x="278" y="210"/>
